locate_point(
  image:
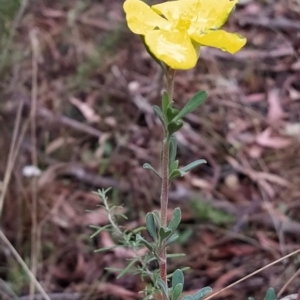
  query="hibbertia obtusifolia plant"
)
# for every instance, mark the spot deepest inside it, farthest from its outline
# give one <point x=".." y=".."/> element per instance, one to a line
<point x="173" y="33"/>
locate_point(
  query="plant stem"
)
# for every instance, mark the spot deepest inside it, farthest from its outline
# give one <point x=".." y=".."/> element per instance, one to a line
<point x="170" y="75"/>
<point x="164" y="197"/>
<point x="164" y="206"/>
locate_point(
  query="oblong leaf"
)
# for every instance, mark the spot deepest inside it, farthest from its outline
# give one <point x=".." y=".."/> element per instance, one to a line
<point x="193" y="165"/>
<point x="171" y="113"/>
<point x="150" y="224"/>
<point x="172" y="150"/>
<point x="174" y="126"/>
<point x="99" y="229"/>
<point x="176" y="218"/>
<point x="165" y="102"/>
<point x="191" y="105"/>
<point x="201" y="293"/>
<point x="156" y="215"/>
<point x="148" y="166"/>
<point x="128" y="267"/>
<point x="187" y="297"/>
<point x="164" y="232"/>
<point x="163" y="287"/>
<point x="270" y="295"/>
<point x="174" y="174"/>
<point x="177" y="278"/>
<point x="159" y="114"/>
<point x="177" y="290"/>
<point x="172" y="239"/>
<point x="105" y="249"/>
<point x="174" y="166"/>
<point x="139" y="238"/>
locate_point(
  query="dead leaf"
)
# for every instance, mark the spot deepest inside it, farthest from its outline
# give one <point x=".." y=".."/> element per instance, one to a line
<point x="275" y="112"/>
<point x="87" y="111"/>
<point x="58" y="143"/>
<point x="265" y="140"/>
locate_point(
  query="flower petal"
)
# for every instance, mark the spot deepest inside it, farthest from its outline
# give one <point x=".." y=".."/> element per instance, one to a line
<point x="175" y="10"/>
<point x="213" y="13"/>
<point x="226" y="41"/>
<point x="174" y="48"/>
<point x="141" y="18"/>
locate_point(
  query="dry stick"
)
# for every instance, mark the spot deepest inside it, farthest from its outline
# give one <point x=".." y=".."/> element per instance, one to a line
<point x="11" y="155"/>
<point x="252" y="274"/>
<point x="288" y="283"/>
<point x="33" y="114"/>
<point x="24" y="266"/>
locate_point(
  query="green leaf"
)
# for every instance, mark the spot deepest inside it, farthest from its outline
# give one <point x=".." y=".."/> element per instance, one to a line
<point x="150" y="224"/>
<point x="174" y="174"/>
<point x="159" y="114"/>
<point x="163" y="287"/>
<point x="139" y="238"/>
<point x="191" y="105"/>
<point x="172" y="239"/>
<point x="148" y="166"/>
<point x="172" y="150"/>
<point x="193" y="165"/>
<point x="177" y="278"/>
<point x="99" y="229"/>
<point x="177" y="290"/>
<point x="174" y="165"/>
<point x="157" y="217"/>
<point x="176" y="218"/>
<point x="188" y="297"/>
<point x="164" y="232"/>
<point x="174" y="126"/>
<point x="172" y="113"/>
<point x="201" y="293"/>
<point x="127" y="268"/>
<point x="172" y="255"/>
<point x="270" y="295"/>
<point x="165" y="102"/>
<point x="105" y="249"/>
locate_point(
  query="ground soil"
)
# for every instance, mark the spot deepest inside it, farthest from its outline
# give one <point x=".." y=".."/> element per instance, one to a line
<point x="85" y="85"/>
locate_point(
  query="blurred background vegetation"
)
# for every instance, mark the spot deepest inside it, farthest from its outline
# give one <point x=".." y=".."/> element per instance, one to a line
<point x="76" y="95"/>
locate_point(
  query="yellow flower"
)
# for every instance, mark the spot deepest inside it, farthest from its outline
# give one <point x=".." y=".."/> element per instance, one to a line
<point x="173" y="30"/>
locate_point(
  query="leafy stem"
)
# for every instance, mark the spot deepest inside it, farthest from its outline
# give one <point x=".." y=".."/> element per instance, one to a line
<point x="164" y="197"/>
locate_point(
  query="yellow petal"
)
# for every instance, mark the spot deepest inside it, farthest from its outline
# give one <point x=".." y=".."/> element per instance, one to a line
<point x="141" y="18"/>
<point x="175" y="10"/>
<point x="213" y="13"/>
<point x="174" y="48"/>
<point x="230" y="42"/>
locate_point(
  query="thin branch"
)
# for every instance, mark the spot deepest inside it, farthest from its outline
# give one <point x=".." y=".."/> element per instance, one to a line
<point x="252" y="274"/>
<point x="23" y="265"/>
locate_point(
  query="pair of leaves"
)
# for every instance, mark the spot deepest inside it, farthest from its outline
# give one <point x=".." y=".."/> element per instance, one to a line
<point x="173" y="163"/>
<point x="175" y="115"/>
<point x="170" y="117"/>
<point x="177" y="284"/>
<point x="183" y="171"/>
<point x="153" y="223"/>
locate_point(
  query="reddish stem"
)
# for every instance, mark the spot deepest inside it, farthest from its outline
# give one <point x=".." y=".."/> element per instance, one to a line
<point x="164" y="206"/>
<point x="164" y="197"/>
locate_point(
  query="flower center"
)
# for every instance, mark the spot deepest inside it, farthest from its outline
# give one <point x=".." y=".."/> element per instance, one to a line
<point x="184" y="21"/>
